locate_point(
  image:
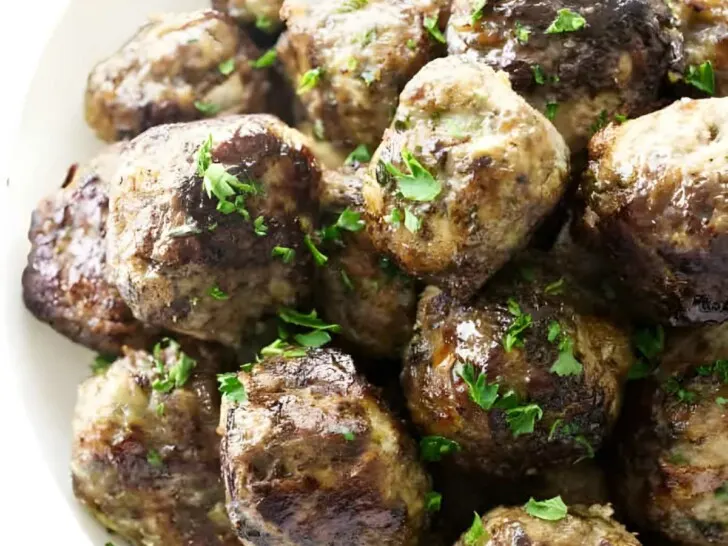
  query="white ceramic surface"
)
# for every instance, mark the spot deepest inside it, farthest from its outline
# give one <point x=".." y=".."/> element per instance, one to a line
<point x="44" y="367"/>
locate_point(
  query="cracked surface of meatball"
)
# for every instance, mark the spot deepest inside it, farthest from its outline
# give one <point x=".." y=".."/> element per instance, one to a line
<point x="613" y="61"/>
<point x="197" y="254"/>
<point x="358" y="57"/>
<point x="583" y="526"/>
<point x="265" y="14"/>
<point x="526" y="376"/>
<point x="145" y="457"/>
<point x="658" y="205"/>
<point x="64" y="283"/>
<point x="178" y="67"/>
<point x="313" y="457"/>
<point x="463" y="177"/>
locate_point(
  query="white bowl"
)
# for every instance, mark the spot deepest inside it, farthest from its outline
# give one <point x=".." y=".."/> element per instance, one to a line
<point x="44" y="368"/>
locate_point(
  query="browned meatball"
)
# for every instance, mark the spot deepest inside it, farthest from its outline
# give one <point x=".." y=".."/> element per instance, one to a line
<point x="356" y="58"/>
<point x="145" y="456"/>
<point x="658" y="203"/>
<point x="525" y="376"/>
<point x="610" y="57"/>
<point x="203" y="256"/>
<point x="673" y="450"/>
<point x="463" y="177"/>
<point x="178" y="67"/>
<point x="374" y="303"/>
<point x="704" y="25"/>
<point x="311" y="457"/>
<point x="583" y="483"/>
<point x="64" y="282"/>
<point x="263" y="13"/>
<point x="582" y="526"/>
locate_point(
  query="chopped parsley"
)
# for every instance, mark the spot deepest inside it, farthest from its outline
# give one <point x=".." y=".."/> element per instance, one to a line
<point x="522" y="33"/>
<point x="160" y="409"/>
<point x="309" y="80"/>
<point x="315" y="339"/>
<point x="183" y="231"/>
<point x="476" y="535"/>
<point x="216" y="293"/>
<point x="550" y="510"/>
<point x="674" y="387"/>
<point x="566" y="363"/>
<point x="352" y="5"/>
<point x="346" y="281"/>
<point x="360" y="154"/>
<point x="348" y="435"/>
<point x="600" y="123"/>
<point x="259" y="227"/>
<point x="154" y="458"/>
<point x="102" y="363"/>
<point x="620" y="118"/>
<point x="701" y="77"/>
<point x="477" y="13"/>
<point x="432" y="448"/>
<point x="432" y="26"/>
<point x="231" y="387"/>
<point x="207" y="108"/>
<point x="350" y="220"/>
<point x="522" y="419"/>
<point x="264" y="23"/>
<point x="266" y="59"/>
<point x="721" y="401"/>
<point x="176" y="375"/>
<point x="320" y="258"/>
<point x="227" y="67"/>
<point x="552" y="109"/>
<point x="566" y="21"/>
<point x="419" y="184"/>
<point x="649" y="344"/>
<point x="514" y="333"/>
<point x="411" y="44"/>
<point x="539" y="76"/>
<point x="411" y="221"/>
<point x="479" y="390"/>
<point x="284" y="253"/>
<point x="722" y="493"/>
<point x="433" y="501"/>
<point x="310" y="320"/>
<point x="395" y="217"/>
<point x="556" y="288"/>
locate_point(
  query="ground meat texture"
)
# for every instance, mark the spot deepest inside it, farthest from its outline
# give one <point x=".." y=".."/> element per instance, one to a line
<point x="673" y="456"/>
<point x="178" y="67"/>
<point x="614" y="65"/>
<point x="657" y="202"/>
<point x="312" y="457"/>
<point x="498" y="166"/>
<point x="181" y="263"/>
<point x="365" y="52"/>
<point x="575" y="411"/>
<point x="64" y="282"/>
<point x="146" y="462"/>
<point x="264" y="14"/>
<point x="583" y="526"/>
<point x="704" y="26"/>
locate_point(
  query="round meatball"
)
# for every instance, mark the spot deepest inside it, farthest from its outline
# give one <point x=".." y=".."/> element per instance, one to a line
<point x="311" y="456"/>
<point x="704" y="26"/>
<point x="673" y="458"/>
<point x="585" y="526"/>
<point x="145" y="455"/>
<point x="658" y="203"/>
<point x="204" y="256"/>
<point x="350" y="61"/>
<point x="525" y="376"/>
<point x="64" y="282"/>
<point x="373" y="302"/>
<point x="611" y="58"/>
<point x="463" y="177"/>
<point x="265" y="14"/>
<point x="178" y="67"/>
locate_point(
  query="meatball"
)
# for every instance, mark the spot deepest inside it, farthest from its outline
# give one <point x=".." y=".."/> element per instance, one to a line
<point x="178" y="67"/>
<point x="704" y="26"/>
<point x="145" y="456"/>
<point x="64" y="282"/>
<point x="463" y="177"/>
<point x="374" y="303"/>
<point x="350" y="61"/>
<point x="610" y="59"/>
<point x="583" y="483"/>
<point x="524" y="377"/>
<point x="657" y="202"/>
<point x="204" y="256"/>
<point x="311" y="456"/>
<point x="585" y="526"/>
<point x="265" y="14"/>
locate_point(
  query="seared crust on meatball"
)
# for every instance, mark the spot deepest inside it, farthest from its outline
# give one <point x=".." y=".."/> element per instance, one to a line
<point x="313" y="457"/>
<point x="463" y="354"/>
<point x="145" y="457"/>
<point x="365" y="53"/>
<point x="182" y="262"/>
<point x="264" y="13"/>
<point x="498" y="166"/>
<point x="657" y="202"/>
<point x="582" y="526"/>
<point x="178" y="67"/>
<point x="64" y="282"/>
<point x="704" y="26"/>
<point x="615" y="64"/>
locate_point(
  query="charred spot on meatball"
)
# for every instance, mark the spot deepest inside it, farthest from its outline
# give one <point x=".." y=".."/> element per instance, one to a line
<point x="350" y="61"/>
<point x="200" y="221"/>
<point x="145" y="457"/>
<point x="656" y="203"/>
<point x="311" y="456"/>
<point x="178" y="67"/>
<point x="526" y="376"/>
<point x="463" y="177"/>
<point x="64" y="283"/>
<point x="580" y="62"/>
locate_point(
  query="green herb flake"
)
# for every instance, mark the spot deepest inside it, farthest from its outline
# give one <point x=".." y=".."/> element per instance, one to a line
<point x="566" y="21"/>
<point x="480" y="392"/>
<point x="232" y="388"/>
<point x="314" y="339"/>
<point x="411" y="44"/>
<point x="207" y="108"/>
<point x="154" y="458"/>
<point x="348" y="436"/>
<point x="259" y="227"/>
<point x="432" y="26"/>
<point x="650" y="342"/>
<point x="477" y="13"/>
<point x="721" y="401"/>
<point x="555" y="288"/>
<point x="539" y="76"/>
<point x="264" y="23"/>
<point x="266" y="60"/>
<point x="620" y="118"/>
<point x="350" y="220"/>
<point x="554" y="331"/>
<point x="552" y="109"/>
<point x="419" y="184"/>
<point x="522" y="33"/>
<point x="433" y="501"/>
<point x="284" y="253"/>
<point x="433" y="448"/>
<point x="359" y="155"/>
<point x="600" y="123"/>
<point x="320" y="258"/>
<point x="476" y="535"/>
<point x="352" y="5"/>
<point x="550" y="510"/>
<point x="204" y="156"/>
<point x="216" y="293"/>
<point x="101" y="363"/>
<point x="346" y="281"/>
<point x="522" y="419"/>
<point x="160" y="409"/>
<point x="227" y="67"/>
<point x="701" y="77"/>
<point x="722" y="493"/>
<point x="411" y="221"/>
<point x="310" y="320"/>
<point x="309" y="80"/>
<point x="514" y="333"/>
<point x="176" y="375"/>
<point x="395" y="217"/>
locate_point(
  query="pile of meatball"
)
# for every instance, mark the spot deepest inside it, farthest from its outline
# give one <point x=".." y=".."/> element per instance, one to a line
<point x="401" y="272"/>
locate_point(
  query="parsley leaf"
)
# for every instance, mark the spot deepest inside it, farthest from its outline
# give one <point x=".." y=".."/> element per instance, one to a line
<point x="348" y="435"/>
<point x="431" y="24"/>
<point x="522" y="33"/>
<point x="419" y="184"/>
<point x="513" y="336"/>
<point x="284" y="253"/>
<point x="176" y="375"/>
<point x="722" y="493"/>
<point x="566" y="21"/>
<point x="702" y="77"/>
<point x="266" y="59"/>
<point x="360" y="154"/>
<point x="477" y="13"/>
<point x="600" y="123"/>
<point x="411" y="221"/>
<point x="216" y="293"/>
<point x="207" y="108"/>
<point x="554" y="331"/>
<point x="154" y="458"/>
<point x="259" y="227"/>
<point x="317" y="338"/>
<point x="721" y="401"/>
<point x="523" y="418"/>
<point x="310" y="320"/>
<point x="650" y="342"/>
<point x="479" y="390"/>
<point x="346" y="281"/>
<point x="227" y="67"/>
<point x="476" y="535"/>
<point x="350" y="220"/>
<point x="433" y="501"/>
<point x="550" y="510"/>
<point x="432" y="448"/>
<point x="552" y="109"/>
<point x="309" y="80"/>
<point x="101" y="363"/>
<point x="395" y="217"/>
<point x="318" y="256"/>
<point x="566" y="363"/>
<point x="539" y="76"/>
<point x="352" y="5"/>
<point x="264" y="23"/>
<point x="231" y="387"/>
<point x="555" y="288"/>
<point x="204" y="156"/>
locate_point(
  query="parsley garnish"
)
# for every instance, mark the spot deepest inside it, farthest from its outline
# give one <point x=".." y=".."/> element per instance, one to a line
<point x="722" y="493"/>
<point x="102" y="363"/>
<point x="264" y="23"/>
<point x="183" y="231"/>
<point x="702" y="77"/>
<point x="649" y="344"/>
<point x="309" y="80"/>
<point x="284" y="253"/>
<point x="550" y="510"/>
<point x="411" y="221"/>
<point x="227" y="67"/>
<point x="620" y="118"/>
<point x="411" y="44"/>
<point x="432" y="448"/>
<point x="348" y="435"/>
<point x="176" y="375"/>
<point x="419" y="184"/>
<point x="350" y="220"/>
<point x="216" y="293"/>
<point x="522" y="322"/>
<point x="522" y="419"/>
<point x="318" y="256"/>
<point x="522" y="33"/>
<point x="600" y="123"/>
<point x="476" y="535"/>
<point x="433" y="501"/>
<point x="360" y="154"/>
<point x="674" y="386"/>
<point x="266" y="59"/>
<point x="551" y="109"/>
<point x="566" y="364"/>
<point x="538" y="74"/>
<point x="477" y="13"/>
<point x="310" y="320"/>
<point x="346" y="281"/>
<point x="154" y="458"/>
<point x="721" y="401"/>
<point x="555" y="288"/>
<point x="259" y="227"/>
<point x="566" y="21"/>
<point x="431" y="24"/>
<point x="395" y="217"/>
<point x="231" y="387"/>
<point x="317" y="338"/>
<point x="479" y="390"/>
<point x="207" y="108"/>
<point x="352" y="5"/>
